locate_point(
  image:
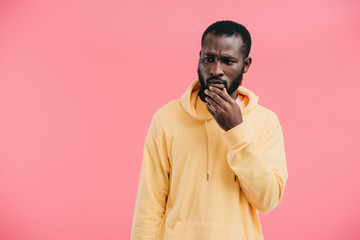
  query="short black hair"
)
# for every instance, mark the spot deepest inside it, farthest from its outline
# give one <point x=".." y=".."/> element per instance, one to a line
<point x="229" y="28"/>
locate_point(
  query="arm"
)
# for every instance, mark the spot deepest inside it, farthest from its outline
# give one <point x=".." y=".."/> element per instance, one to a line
<point x="261" y="169"/>
<point x="153" y="185"/>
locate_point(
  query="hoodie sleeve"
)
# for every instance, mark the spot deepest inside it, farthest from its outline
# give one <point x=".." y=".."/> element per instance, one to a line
<point x="260" y="168"/>
<point x="153" y="185"/>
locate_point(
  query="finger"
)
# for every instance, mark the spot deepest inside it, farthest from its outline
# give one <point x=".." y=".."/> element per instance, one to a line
<point x="215" y="96"/>
<point x="227" y="96"/>
<point x="213" y="104"/>
<point x="210" y="109"/>
<point x="223" y="94"/>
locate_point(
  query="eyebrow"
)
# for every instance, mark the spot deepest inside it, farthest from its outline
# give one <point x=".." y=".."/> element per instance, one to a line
<point x="224" y="56"/>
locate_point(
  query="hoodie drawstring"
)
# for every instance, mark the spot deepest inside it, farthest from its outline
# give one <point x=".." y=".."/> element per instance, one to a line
<point x="207" y="152"/>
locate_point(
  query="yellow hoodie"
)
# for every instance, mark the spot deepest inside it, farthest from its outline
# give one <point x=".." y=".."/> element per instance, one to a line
<point x="198" y="182"/>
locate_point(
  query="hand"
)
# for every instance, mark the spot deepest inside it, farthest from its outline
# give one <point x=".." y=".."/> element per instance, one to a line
<point x="223" y="108"/>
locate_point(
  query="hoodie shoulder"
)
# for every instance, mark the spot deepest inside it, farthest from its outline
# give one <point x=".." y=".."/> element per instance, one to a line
<point x="269" y="116"/>
<point x="169" y="110"/>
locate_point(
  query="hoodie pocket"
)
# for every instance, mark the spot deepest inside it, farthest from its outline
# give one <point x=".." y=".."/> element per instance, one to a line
<point x="206" y="231"/>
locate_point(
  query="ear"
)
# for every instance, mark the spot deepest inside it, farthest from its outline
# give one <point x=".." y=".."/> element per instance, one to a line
<point x="247" y="63"/>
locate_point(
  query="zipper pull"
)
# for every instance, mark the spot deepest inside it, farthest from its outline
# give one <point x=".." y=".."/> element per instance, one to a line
<point x="235" y="178"/>
<point x="207" y="176"/>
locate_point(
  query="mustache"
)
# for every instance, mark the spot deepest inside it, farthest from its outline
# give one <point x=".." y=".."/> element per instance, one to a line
<point x="215" y="78"/>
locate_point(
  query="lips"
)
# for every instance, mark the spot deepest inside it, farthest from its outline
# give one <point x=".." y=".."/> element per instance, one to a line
<point x="216" y="83"/>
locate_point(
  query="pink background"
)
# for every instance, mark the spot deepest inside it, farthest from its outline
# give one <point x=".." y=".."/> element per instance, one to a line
<point x="80" y="81"/>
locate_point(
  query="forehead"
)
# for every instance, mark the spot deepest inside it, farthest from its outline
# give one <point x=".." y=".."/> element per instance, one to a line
<point x="223" y="45"/>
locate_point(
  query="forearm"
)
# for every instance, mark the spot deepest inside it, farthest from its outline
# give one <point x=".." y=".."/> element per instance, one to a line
<point x="153" y="185"/>
<point x="261" y="172"/>
<point x="148" y="213"/>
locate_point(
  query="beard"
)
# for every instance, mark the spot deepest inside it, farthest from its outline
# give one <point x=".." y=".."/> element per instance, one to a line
<point x="234" y="85"/>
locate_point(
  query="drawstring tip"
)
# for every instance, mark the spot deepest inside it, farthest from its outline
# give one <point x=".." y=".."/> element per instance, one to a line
<point x="207" y="176"/>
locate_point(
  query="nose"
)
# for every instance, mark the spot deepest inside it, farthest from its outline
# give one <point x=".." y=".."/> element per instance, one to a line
<point x="216" y="69"/>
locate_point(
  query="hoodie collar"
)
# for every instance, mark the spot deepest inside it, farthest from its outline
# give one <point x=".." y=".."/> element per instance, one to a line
<point x="192" y="103"/>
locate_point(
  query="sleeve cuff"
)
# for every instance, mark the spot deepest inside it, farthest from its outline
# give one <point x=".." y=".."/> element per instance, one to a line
<point x="238" y="135"/>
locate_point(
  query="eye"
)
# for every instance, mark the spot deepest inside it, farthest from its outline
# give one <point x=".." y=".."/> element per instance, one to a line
<point x="228" y="61"/>
<point x="208" y="59"/>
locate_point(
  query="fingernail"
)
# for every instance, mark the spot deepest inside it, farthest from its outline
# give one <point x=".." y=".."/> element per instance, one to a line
<point x="211" y="88"/>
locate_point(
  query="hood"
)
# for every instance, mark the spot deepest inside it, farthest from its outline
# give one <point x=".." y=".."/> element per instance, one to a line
<point x="192" y="103"/>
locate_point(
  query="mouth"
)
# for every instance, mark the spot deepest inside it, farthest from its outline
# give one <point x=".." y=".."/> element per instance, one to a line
<point x="216" y="83"/>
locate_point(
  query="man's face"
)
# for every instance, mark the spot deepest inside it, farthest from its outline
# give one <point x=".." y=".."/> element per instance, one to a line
<point x="222" y="63"/>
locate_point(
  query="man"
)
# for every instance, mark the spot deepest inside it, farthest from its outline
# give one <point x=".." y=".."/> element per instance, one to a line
<point x="214" y="158"/>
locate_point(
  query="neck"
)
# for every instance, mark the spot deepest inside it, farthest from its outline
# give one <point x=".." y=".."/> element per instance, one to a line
<point x="234" y="95"/>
